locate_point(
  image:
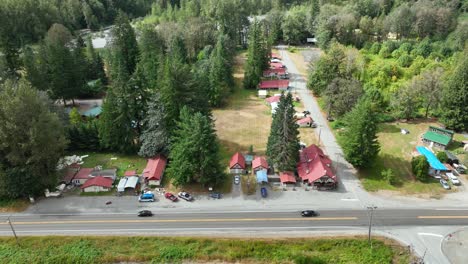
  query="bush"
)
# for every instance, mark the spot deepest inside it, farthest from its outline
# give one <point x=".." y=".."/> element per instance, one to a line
<point x="442" y="156"/>
<point x="389" y="177"/>
<point x="420" y="167"/>
<point x="405" y="60"/>
<point x="375" y="48"/>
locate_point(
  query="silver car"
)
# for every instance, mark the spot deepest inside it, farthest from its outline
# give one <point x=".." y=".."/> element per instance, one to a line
<point x="444" y="184"/>
<point x="236" y="180"/>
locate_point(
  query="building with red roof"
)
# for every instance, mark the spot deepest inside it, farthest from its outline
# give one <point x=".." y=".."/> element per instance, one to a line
<point x="287" y="177"/>
<point x="276" y="65"/>
<point x="154" y="170"/>
<point x="305" y="122"/>
<point x="82" y="176"/>
<point x="314" y="168"/>
<point x="259" y="163"/>
<point x="130" y="173"/>
<point x="277" y="72"/>
<point x="97" y="184"/>
<point x="237" y="163"/>
<point x="273" y="99"/>
<point x="274" y="84"/>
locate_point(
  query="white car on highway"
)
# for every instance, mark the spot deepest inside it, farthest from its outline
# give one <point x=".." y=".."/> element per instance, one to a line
<point x="453" y="179"/>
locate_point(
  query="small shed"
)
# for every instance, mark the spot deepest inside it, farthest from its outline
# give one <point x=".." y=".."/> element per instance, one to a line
<point x="262" y="93"/>
<point x="273" y="99"/>
<point x="237" y="164"/>
<point x="287" y="177"/>
<point x="126" y="183"/>
<point x="305" y="122"/>
<point x="97" y="184"/>
<point x="259" y="163"/>
<point x="262" y="176"/>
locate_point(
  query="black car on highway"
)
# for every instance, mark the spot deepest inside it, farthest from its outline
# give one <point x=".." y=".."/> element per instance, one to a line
<point x="309" y="213"/>
<point x="145" y="213"/>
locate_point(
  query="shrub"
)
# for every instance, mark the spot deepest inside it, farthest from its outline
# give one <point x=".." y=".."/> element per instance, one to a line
<point x="389" y="176"/>
<point x="375" y="48"/>
<point x="420" y="167"/>
<point x="442" y="156"/>
<point x="405" y="60"/>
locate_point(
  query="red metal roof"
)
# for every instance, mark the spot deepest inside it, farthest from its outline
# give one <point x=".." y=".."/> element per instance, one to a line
<point x="259" y="162"/>
<point x="273" y="84"/>
<point x="83" y="173"/>
<point x="287" y="177"/>
<point x="276" y="65"/>
<point x="155" y="168"/>
<point x="305" y="120"/>
<point x="273" y="99"/>
<point x="237" y="158"/>
<point x="98" y="181"/>
<point x="69" y="174"/>
<point x="130" y="173"/>
<point x="278" y="71"/>
<point x="314" y="164"/>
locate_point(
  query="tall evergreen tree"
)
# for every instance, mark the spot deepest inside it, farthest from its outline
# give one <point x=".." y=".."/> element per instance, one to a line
<point x="360" y="143"/>
<point x="151" y="56"/>
<point x="258" y="54"/>
<point x="95" y="62"/>
<point x="155" y="136"/>
<point x="220" y="72"/>
<point x="455" y="96"/>
<point x="195" y="151"/>
<point x="283" y="142"/>
<point x="32" y="140"/>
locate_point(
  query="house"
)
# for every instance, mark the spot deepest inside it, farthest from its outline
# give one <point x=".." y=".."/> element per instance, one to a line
<point x="287" y="177"/>
<point x="305" y="122"/>
<point x="451" y="158"/>
<point x="237" y="164"/>
<point x="93" y="112"/>
<point x="437" y="137"/>
<point x="97" y="184"/>
<point x="274" y="84"/>
<point x="276" y="65"/>
<point x="262" y="93"/>
<point x="259" y="163"/>
<point x="82" y="176"/>
<point x="314" y="168"/>
<point x="262" y="176"/>
<point x="273" y="99"/>
<point x="108" y="173"/>
<point x="436" y="167"/>
<point x="69" y="173"/>
<point x="128" y="183"/>
<point x="154" y="170"/>
<point x="276" y="73"/>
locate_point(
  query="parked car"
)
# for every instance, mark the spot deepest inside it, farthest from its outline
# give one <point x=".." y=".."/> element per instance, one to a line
<point x="313" y="125"/>
<point x="215" y="195"/>
<point x="444" y="184"/>
<point x="186" y="196"/>
<point x="146" y="197"/>
<point x="145" y="213"/>
<point x="308" y="213"/>
<point x="264" y="192"/>
<point x="171" y="197"/>
<point x="453" y="179"/>
<point x="237" y="179"/>
<point x="459" y="168"/>
<point x="275" y="60"/>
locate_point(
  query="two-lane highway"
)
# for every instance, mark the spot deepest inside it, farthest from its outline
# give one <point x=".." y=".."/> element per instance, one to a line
<point x="180" y="222"/>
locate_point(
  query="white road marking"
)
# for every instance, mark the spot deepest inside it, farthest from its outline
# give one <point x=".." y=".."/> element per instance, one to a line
<point x="350" y="199"/>
<point x="430" y="234"/>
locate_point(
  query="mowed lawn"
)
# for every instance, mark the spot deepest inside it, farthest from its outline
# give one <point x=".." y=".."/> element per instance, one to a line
<point x="112" y="160"/>
<point x="395" y="154"/>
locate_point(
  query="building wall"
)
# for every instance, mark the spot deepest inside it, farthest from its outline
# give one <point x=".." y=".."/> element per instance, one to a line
<point x="236" y="171"/>
<point x="154" y="182"/>
<point x="96" y="189"/>
<point x="79" y="181"/>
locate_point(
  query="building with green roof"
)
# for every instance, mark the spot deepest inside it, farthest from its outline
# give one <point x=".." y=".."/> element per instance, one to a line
<point x="438" y="137"/>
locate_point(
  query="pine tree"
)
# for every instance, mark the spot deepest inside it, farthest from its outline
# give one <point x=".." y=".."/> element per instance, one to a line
<point x="195" y="151"/>
<point x="258" y="54"/>
<point x="220" y="72"/>
<point x="155" y="136"/>
<point x="151" y="57"/>
<point x="359" y="140"/>
<point x="95" y="62"/>
<point x="283" y="142"/>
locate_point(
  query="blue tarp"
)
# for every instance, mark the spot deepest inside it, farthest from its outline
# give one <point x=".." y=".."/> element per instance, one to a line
<point x="432" y="159"/>
<point x="262" y="176"/>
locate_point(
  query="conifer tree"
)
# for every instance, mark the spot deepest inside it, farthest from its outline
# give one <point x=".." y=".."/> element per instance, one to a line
<point x="95" y="62"/>
<point x="155" y="136"/>
<point x="151" y="57"/>
<point x="258" y="54"/>
<point x="283" y="142"/>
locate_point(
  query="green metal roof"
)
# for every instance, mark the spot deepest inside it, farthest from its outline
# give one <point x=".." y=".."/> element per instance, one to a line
<point x="95" y="111"/>
<point x="441" y="129"/>
<point x="436" y="137"/>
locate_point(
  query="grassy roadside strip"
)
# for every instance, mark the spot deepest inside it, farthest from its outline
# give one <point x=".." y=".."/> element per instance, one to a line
<point x="63" y="249"/>
<point x="17" y="205"/>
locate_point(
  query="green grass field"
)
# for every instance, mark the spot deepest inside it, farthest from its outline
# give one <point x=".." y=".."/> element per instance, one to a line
<point x="112" y="160"/>
<point x="63" y="250"/>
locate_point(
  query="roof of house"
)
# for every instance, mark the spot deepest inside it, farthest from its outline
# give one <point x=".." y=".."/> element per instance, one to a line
<point x="95" y="111"/>
<point x="259" y="162"/>
<point x="441" y="129"/>
<point x="69" y="174"/>
<point x="280" y="71"/>
<point x="273" y="84"/>
<point x="437" y="137"/>
<point x="130" y="173"/>
<point x="237" y="158"/>
<point x="273" y="99"/>
<point x="83" y="173"/>
<point x="287" y="176"/>
<point x="155" y="168"/>
<point x="276" y="65"/>
<point x="305" y="120"/>
<point x="314" y="164"/>
<point x="262" y="176"/>
<point x="451" y="156"/>
<point x="431" y="158"/>
<point x="98" y="181"/>
<point x="106" y="172"/>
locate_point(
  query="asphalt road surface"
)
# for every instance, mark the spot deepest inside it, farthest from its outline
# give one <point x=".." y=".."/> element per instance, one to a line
<point x="84" y="224"/>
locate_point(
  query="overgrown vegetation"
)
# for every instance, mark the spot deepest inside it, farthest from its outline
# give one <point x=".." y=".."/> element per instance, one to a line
<point x="177" y="250"/>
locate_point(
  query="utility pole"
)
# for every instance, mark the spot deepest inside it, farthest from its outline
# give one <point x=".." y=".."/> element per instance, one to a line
<point x="13" y="230"/>
<point x="320" y="132"/>
<point x="370" y="209"/>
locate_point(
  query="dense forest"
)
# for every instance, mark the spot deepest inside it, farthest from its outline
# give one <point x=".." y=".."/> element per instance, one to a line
<point x="170" y="62"/>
